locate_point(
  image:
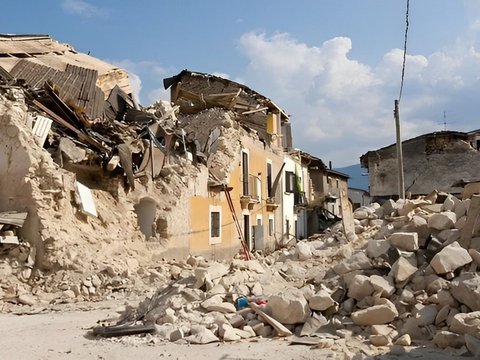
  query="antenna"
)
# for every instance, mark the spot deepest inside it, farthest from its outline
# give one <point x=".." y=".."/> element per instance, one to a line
<point x="444" y="120"/>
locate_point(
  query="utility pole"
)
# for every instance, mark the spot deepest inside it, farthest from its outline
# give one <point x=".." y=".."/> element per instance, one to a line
<point x="401" y="180"/>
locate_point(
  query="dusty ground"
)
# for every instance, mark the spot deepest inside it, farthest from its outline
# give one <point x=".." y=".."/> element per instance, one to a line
<point x="63" y="333"/>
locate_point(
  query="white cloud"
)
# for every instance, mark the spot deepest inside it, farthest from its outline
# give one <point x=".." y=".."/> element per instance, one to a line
<point x="341" y="106"/>
<point x="150" y="70"/>
<point x="81" y="8"/>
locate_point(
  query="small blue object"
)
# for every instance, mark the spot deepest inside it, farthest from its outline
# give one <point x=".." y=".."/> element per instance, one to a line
<point x="241" y="302"/>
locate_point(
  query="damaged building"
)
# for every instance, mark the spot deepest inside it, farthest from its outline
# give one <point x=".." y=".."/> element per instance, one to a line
<point x="96" y="183"/>
<point x="442" y="160"/>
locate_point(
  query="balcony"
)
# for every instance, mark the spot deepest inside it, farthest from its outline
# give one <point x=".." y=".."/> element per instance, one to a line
<point x="252" y="192"/>
<point x="300" y="200"/>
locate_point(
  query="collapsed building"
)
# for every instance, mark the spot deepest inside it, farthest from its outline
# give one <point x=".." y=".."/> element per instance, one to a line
<point x="96" y="183"/>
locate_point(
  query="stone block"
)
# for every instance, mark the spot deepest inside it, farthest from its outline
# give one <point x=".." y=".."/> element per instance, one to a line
<point x="321" y="301"/>
<point x="289" y="307"/>
<point x="404" y="241"/>
<point x="223" y="308"/>
<point x="473" y="345"/>
<point x="360" y="287"/>
<point x="450" y="258"/>
<point x="383" y="313"/>
<point x="442" y="221"/>
<point x="444" y="339"/>
<point x="404" y="340"/>
<point x="426" y="315"/>
<point x="402" y="270"/>
<point x="466" y="323"/>
<point x="304" y="251"/>
<point x="475" y="254"/>
<point x="358" y="261"/>
<point x="379" y="340"/>
<point x="384" y="285"/>
<point x="466" y="289"/>
<point x="376" y="248"/>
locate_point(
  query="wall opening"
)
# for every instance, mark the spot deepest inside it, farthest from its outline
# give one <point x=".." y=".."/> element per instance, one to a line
<point x="146" y="211"/>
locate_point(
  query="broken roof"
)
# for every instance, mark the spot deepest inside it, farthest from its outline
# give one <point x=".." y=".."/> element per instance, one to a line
<point x="449" y="133"/>
<point x="43" y="50"/>
<point x="232" y="85"/>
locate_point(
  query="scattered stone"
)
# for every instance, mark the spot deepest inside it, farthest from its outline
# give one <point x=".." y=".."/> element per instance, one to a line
<point x="289" y="307"/>
<point x="202" y="337"/>
<point x="402" y="270"/>
<point x="466" y="323"/>
<point x="404" y="241"/>
<point x="473" y="345"/>
<point x="450" y="258"/>
<point x="376" y="315"/>
<point x="384" y="285"/>
<point x="176" y="334"/>
<point x="444" y="339"/>
<point x="321" y="301"/>
<point x="442" y="221"/>
<point x="304" y="251"/>
<point x="26" y="299"/>
<point x="376" y="248"/>
<point x="358" y="261"/>
<point x="466" y="289"/>
<point x="403" y="340"/>
<point x="379" y="340"/>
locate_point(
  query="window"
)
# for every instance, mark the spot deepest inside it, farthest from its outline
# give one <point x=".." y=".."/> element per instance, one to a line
<point x="270" y="227"/>
<point x="269" y="180"/>
<point x="246" y="230"/>
<point x="245" y="173"/>
<point x="289" y="181"/>
<point x="215" y="225"/>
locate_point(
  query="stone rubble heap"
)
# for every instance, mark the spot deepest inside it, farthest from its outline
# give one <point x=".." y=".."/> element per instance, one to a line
<point x="406" y="280"/>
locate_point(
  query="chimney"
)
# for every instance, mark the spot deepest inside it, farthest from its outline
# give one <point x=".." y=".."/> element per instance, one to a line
<point x="330" y="165"/>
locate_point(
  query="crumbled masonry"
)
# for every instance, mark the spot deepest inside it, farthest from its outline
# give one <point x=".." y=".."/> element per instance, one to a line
<point x="426" y="288"/>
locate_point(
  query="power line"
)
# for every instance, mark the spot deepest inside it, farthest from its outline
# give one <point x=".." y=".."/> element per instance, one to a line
<point x="404" y="50"/>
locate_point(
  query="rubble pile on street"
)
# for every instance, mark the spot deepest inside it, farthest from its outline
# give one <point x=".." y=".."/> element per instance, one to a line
<point x="407" y="279"/>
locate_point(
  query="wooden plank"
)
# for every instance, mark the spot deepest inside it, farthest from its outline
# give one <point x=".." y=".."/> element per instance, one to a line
<point x="82" y="136"/>
<point x="472" y="218"/>
<point x="279" y="328"/>
<point x="13" y="218"/>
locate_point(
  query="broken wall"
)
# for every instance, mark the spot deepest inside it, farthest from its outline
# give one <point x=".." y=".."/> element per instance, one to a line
<point x="427" y="165"/>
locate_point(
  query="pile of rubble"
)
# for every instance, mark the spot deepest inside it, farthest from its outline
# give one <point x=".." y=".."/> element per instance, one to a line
<point x="405" y="280"/>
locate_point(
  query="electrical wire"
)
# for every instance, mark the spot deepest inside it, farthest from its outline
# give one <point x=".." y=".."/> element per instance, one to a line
<point x="404" y="50"/>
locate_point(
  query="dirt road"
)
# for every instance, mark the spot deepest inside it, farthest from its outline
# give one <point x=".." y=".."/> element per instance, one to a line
<point x="63" y="334"/>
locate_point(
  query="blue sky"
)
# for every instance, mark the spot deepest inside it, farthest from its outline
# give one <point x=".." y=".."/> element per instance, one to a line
<point x="333" y="65"/>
